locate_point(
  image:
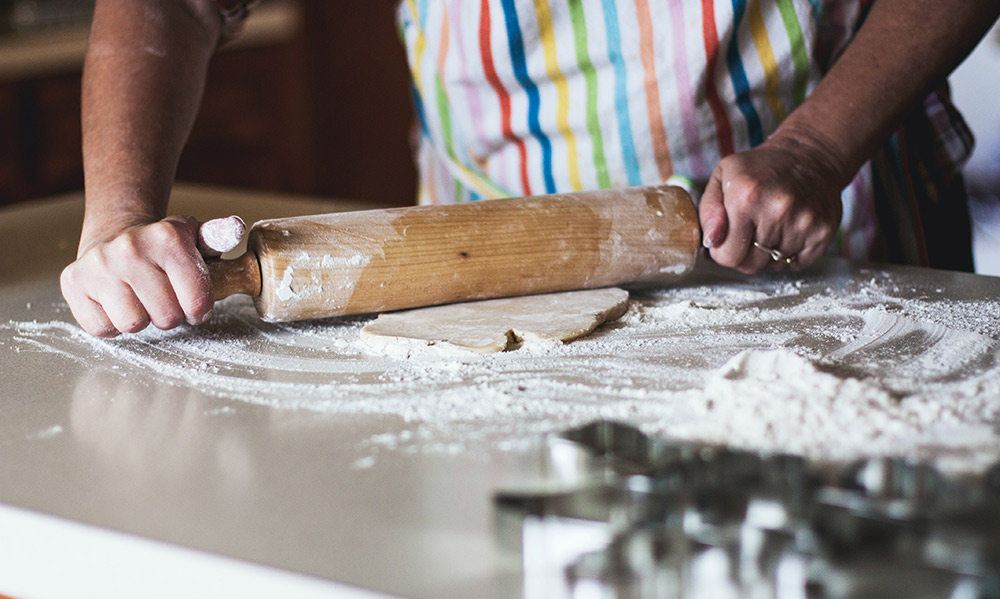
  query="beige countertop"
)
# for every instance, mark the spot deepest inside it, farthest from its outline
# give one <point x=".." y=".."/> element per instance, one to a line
<point x="118" y="514"/>
<point x="146" y="467"/>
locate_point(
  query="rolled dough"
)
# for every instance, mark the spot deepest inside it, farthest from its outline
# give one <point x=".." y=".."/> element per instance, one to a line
<point x="495" y="325"/>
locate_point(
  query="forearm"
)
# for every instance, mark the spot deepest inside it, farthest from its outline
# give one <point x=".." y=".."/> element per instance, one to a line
<point x="904" y="49"/>
<point x="143" y="80"/>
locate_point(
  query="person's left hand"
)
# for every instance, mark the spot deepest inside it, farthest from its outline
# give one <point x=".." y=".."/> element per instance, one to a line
<point x="784" y="195"/>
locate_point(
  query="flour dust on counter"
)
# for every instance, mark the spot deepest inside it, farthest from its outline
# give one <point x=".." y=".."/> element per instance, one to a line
<point x="785" y="363"/>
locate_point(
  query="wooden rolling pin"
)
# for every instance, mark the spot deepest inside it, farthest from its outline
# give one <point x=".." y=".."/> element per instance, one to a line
<point x="390" y="259"/>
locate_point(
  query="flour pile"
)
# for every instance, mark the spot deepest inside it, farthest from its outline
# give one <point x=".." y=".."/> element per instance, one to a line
<point x="783" y="365"/>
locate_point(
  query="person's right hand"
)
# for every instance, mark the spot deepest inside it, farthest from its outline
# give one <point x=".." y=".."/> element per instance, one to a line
<point x="146" y="273"/>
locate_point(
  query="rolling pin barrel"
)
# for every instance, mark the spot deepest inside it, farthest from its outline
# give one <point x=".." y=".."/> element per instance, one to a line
<point x="380" y="260"/>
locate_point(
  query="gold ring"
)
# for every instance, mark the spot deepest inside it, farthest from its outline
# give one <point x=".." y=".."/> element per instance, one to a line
<point x="775" y="254"/>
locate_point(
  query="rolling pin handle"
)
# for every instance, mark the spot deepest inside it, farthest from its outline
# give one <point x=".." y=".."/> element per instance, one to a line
<point x="231" y="277"/>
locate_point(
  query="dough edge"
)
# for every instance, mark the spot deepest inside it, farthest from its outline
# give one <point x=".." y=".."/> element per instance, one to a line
<point x="587" y="309"/>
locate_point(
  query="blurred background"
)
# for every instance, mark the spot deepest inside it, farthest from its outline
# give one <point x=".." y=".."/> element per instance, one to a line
<point x="314" y="98"/>
<point x="976" y="90"/>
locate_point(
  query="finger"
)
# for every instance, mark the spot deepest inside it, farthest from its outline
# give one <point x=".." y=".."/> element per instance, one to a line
<point x="756" y="260"/>
<point x="122" y="307"/>
<point x="192" y="287"/>
<point x="153" y="290"/>
<point x="813" y="251"/>
<point x="712" y="213"/>
<point x="185" y="268"/>
<point x="806" y="258"/>
<point x="88" y="313"/>
<point x="737" y="245"/>
<point x="815" y="238"/>
<point x="92" y="319"/>
<point x="788" y="245"/>
<point x="770" y="264"/>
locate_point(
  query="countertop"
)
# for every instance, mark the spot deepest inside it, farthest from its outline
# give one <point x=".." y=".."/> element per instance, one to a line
<point x="120" y="480"/>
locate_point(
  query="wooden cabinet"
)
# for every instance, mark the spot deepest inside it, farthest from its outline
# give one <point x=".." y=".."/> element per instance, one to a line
<point x="54" y="131"/>
<point x="40" y="149"/>
<point x="252" y="130"/>
<point x="360" y="93"/>
<point x="10" y="144"/>
<point x="313" y="98"/>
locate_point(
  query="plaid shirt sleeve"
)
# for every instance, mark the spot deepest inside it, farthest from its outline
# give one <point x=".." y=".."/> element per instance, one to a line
<point x="233" y="13"/>
<point x="951" y="138"/>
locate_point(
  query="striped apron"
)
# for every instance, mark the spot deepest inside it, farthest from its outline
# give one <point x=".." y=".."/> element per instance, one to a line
<point x="522" y="97"/>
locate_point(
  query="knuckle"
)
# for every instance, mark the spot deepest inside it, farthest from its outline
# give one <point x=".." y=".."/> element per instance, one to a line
<point x="726" y="163"/>
<point x="744" y="194"/>
<point x="125" y="247"/>
<point x="782" y="204"/>
<point x="807" y="221"/>
<point x="96" y="260"/>
<point x="743" y="183"/>
<point x="68" y="277"/>
<point x="76" y="277"/>
<point x="169" y="234"/>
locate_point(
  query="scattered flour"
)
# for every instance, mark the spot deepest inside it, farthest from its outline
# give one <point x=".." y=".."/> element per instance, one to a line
<point x="776" y="365"/>
<point x="342" y="261"/>
<point x="285" y="291"/>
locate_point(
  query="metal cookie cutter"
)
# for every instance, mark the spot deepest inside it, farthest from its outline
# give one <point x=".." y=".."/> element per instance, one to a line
<point x="643" y="517"/>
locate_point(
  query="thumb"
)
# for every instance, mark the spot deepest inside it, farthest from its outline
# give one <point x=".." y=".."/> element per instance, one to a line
<point x="712" y="214"/>
<point x="219" y="235"/>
